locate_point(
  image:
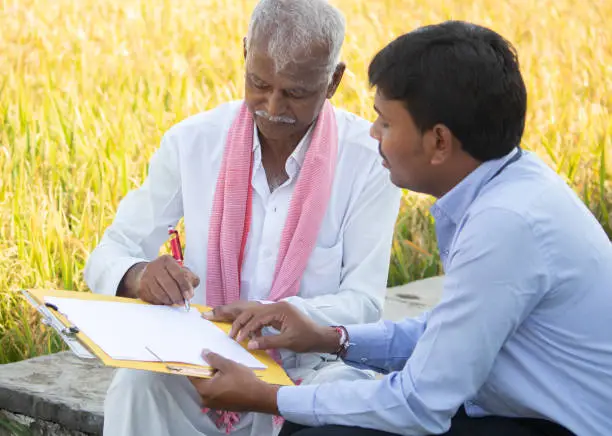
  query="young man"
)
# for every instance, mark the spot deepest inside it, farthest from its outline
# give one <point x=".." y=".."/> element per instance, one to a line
<point x="520" y="343"/>
<point x="278" y="194"/>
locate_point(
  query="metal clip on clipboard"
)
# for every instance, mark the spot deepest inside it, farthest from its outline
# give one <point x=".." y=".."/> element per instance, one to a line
<point x="68" y="334"/>
<point x="182" y="370"/>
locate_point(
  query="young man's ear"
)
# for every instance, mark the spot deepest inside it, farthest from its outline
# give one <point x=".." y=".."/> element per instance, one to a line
<point x="336" y="79"/>
<point x="442" y="141"/>
<point x="244" y="45"/>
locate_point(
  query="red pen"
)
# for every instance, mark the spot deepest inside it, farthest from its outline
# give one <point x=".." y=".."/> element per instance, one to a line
<point x="177" y="253"/>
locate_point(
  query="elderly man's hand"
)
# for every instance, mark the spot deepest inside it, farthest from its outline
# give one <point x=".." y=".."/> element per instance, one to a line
<point x="235" y="387"/>
<point x="297" y="332"/>
<point x="164" y="282"/>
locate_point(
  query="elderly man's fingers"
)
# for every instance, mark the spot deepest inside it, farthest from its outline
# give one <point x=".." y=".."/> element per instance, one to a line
<point x="193" y="279"/>
<point x="156" y="288"/>
<point x="185" y="290"/>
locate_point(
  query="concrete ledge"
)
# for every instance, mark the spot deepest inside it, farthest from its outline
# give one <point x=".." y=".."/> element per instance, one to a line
<point x="59" y="388"/>
<point x="24" y="425"/>
<point x="412" y="299"/>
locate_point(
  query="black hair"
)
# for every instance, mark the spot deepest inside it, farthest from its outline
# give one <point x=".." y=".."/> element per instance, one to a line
<point x="459" y="74"/>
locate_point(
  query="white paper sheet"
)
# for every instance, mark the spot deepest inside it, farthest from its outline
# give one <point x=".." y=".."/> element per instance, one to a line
<point x="124" y="331"/>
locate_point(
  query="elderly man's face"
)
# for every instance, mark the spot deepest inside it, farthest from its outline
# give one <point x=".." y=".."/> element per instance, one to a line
<point x="286" y="102"/>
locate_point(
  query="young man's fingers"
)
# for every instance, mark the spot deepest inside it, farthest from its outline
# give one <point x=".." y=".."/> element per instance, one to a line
<point x="255" y="324"/>
<point x="269" y="342"/>
<point x="239" y="323"/>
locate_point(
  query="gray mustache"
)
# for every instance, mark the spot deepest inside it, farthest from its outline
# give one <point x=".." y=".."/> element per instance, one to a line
<point x="281" y="119"/>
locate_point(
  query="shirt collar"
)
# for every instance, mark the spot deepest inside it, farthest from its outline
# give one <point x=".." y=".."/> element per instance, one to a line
<point x="456" y="202"/>
<point x="299" y="154"/>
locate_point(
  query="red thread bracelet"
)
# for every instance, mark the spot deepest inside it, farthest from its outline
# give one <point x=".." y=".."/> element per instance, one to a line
<point x="344" y="341"/>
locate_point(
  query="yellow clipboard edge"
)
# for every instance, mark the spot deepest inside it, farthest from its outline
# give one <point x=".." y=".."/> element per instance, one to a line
<point x="274" y="374"/>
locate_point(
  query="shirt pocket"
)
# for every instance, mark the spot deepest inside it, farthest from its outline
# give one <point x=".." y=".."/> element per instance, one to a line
<point x="323" y="271"/>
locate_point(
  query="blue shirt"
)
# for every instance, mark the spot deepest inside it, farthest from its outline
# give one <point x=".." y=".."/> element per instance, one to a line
<point x="523" y="328"/>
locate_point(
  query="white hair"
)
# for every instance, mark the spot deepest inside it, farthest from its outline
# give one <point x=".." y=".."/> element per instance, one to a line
<point x="292" y="27"/>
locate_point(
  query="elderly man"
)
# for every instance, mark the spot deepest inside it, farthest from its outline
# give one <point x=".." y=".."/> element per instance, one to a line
<point x="283" y="198"/>
<point x="520" y="343"/>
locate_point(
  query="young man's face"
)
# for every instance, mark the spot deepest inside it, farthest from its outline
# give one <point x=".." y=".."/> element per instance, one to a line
<point x="401" y="145"/>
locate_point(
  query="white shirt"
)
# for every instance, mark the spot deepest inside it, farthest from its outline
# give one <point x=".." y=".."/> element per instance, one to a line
<point x="267" y="222"/>
<point x="345" y="280"/>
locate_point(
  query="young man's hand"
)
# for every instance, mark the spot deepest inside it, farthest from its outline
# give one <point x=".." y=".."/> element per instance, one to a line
<point x="298" y="333"/>
<point x="235" y="387"/>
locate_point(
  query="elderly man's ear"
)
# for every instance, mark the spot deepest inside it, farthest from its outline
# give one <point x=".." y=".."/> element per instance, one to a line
<point x="336" y="79"/>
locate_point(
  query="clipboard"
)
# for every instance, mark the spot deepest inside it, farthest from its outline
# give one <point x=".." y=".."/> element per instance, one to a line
<point x="85" y="348"/>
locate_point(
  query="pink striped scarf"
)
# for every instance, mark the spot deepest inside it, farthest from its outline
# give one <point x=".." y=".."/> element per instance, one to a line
<point x="231" y="216"/>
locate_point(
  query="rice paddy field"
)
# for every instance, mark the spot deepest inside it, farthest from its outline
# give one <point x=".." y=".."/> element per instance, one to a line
<point x="87" y="88"/>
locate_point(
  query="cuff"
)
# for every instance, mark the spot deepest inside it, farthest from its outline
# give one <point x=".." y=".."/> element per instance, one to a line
<point x="366" y="341"/>
<point x="107" y="281"/>
<point x="297" y="404"/>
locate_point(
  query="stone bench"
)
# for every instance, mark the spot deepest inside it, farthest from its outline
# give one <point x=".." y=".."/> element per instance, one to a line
<point x="63" y="395"/>
<point x="58" y="394"/>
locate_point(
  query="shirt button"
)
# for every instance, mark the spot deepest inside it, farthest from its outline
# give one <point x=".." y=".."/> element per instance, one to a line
<point x="445" y="252"/>
<point x="364" y="360"/>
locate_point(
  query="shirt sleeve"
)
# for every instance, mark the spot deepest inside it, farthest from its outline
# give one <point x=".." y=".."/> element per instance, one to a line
<point x="495" y="277"/>
<point x="366" y="255"/>
<point x="140" y="226"/>
<point x="384" y="346"/>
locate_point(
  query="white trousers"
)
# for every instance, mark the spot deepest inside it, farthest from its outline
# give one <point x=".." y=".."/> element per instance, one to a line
<point x="155" y="404"/>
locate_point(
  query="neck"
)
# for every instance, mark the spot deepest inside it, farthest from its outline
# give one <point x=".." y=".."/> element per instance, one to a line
<point x="274" y="155"/>
<point x="454" y="174"/>
<point x="280" y="149"/>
